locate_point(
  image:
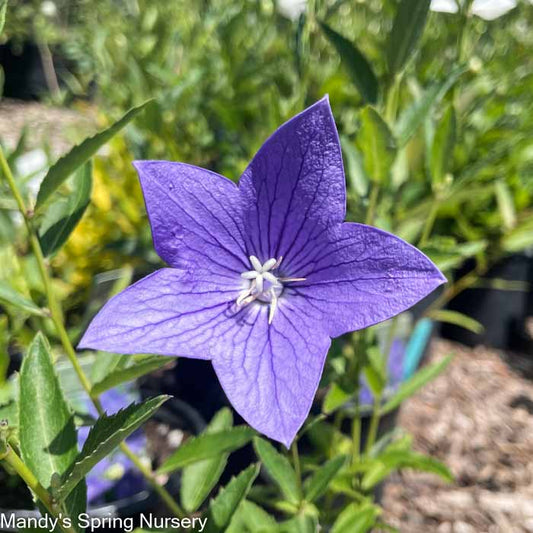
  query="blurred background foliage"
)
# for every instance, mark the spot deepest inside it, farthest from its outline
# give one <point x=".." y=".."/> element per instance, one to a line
<point x="225" y="74"/>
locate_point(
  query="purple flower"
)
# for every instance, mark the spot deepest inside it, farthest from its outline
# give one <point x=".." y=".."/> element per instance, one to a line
<point x="262" y="274"/>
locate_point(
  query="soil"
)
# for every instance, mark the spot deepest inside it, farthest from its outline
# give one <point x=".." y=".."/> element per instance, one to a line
<point x="477" y="417"/>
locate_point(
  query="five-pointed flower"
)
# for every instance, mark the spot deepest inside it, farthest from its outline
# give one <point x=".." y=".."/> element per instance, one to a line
<point x="262" y="274"/>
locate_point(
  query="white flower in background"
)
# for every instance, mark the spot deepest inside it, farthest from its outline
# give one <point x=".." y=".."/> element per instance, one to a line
<point x="292" y="9"/>
<point x="48" y="8"/>
<point x="486" y="9"/>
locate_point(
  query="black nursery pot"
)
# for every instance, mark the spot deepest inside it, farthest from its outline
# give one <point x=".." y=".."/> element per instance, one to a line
<point x="503" y="313"/>
<point x="176" y="415"/>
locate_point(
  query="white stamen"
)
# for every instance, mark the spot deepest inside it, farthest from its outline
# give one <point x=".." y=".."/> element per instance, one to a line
<point x="269" y="264"/>
<point x="265" y="286"/>
<point x="256" y="264"/>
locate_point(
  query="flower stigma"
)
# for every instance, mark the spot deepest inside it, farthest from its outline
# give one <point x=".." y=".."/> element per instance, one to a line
<point x="265" y="286"/>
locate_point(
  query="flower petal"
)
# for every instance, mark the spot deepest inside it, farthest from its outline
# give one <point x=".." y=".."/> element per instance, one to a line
<point x="295" y="183"/>
<point x="492" y="9"/>
<point x="358" y="275"/>
<point x="444" y="6"/>
<point x="169" y="312"/>
<point x="270" y="374"/>
<point x="195" y="216"/>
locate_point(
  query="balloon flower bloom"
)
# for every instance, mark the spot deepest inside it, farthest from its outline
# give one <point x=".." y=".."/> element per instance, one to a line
<point x="263" y="274"/>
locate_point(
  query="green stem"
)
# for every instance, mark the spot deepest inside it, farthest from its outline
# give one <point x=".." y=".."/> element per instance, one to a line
<point x="376" y="411"/>
<point x="57" y="318"/>
<point x="16" y="463"/>
<point x="371" y="212"/>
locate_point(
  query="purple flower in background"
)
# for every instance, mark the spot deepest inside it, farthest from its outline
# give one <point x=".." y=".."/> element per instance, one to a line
<point x="263" y="274"/>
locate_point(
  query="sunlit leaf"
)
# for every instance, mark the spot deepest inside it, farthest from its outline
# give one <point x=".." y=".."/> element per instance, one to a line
<point x="377" y="144"/>
<point x="456" y="318"/>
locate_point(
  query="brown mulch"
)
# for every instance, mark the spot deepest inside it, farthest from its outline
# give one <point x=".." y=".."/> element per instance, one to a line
<point x="58" y="127"/>
<point x="477" y="417"/>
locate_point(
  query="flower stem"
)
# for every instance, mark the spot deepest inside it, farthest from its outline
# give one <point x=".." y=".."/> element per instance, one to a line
<point x="16" y="463"/>
<point x="430" y="222"/>
<point x="57" y="318"/>
<point x="371" y="212"/>
<point x="376" y="411"/>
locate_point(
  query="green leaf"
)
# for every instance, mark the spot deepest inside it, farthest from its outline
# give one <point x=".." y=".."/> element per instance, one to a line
<point x="505" y="201"/>
<point x="139" y="366"/>
<point x="48" y="440"/>
<point x="415" y="383"/>
<point x="459" y="319"/>
<point x="10" y="296"/>
<point x="392" y="460"/>
<point x="377" y="144"/>
<point x="520" y="238"/>
<point x="279" y="468"/>
<point x="63" y="215"/>
<point x="355" y="171"/>
<point x="356" y="519"/>
<point x="320" y="479"/>
<point x="198" y="479"/>
<point x="355" y="63"/>
<point x="443" y="145"/>
<point x="206" y="446"/>
<point x="335" y="397"/>
<point x="373" y="370"/>
<point x="414" y="115"/>
<point x="3" y="9"/>
<point x="79" y="155"/>
<point x="407" y="30"/>
<point x="224" y="505"/>
<point x="253" y="519"/>
<point x="106" y="434"/>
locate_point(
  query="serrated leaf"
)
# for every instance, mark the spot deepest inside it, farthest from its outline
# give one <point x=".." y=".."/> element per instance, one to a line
<point x="356" y="64"/>
<point x="443" y="145"/>
<point x="106" y="434"/>
<point x="206" y="446"/>
<point x="280" y="469"/>
<point x="48" y="440"/>
<point x="506" y="206"/>
<point x="354" y="165"/>
<point x="253" y="519"/>
<point x="198" y="479"/>
<point x="10" y="296"/>
<point x="335" y="397"/>
<point x="414" y="115"/>
<point x="62" y="217"/>
<point x="3" y="9"/>
<point x="224" y="505"/>
<point x="79" y="155"/>
<point x="139" y="366"/>
<point x="356" y="519"/>
<point x="319" y="481"/>
<point x="377" y="145"/>
<point x="458" y="319"/>
<point x="407" y="30"/>
<point x="415" y="383"/>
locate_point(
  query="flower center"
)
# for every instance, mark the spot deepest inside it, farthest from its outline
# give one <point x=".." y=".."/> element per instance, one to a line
<point x="264" y="284"/>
